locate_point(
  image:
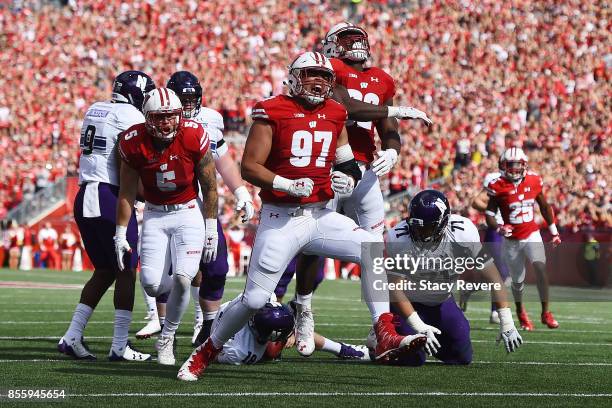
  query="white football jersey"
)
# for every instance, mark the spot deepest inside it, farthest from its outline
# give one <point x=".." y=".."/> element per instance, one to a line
<point x="212" y="121"/>
<point x="102" y="124"/>
<point x="243" y="348"/>
<point x="460" y="241"/>
<point x="489" y="178"/>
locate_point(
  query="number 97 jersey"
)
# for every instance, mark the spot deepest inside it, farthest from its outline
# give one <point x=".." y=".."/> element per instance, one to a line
<point x="516" y="202"/>
<point x="303" y="144"/>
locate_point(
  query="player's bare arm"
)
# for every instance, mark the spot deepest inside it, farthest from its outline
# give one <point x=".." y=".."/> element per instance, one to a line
<point x="256" y="152"/>
<point x="128" y="188"/>
<point x="208" y="183"/>
<point x="549" y="217"/>
<point x="391" y="144"/>
<point x="490" y="212"/>
<point x="481" y="201"/>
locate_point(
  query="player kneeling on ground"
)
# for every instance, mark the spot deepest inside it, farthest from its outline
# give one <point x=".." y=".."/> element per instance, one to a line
<point x="432" y="233"/>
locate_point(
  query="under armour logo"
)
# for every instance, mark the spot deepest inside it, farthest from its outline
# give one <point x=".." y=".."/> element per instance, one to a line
<point x="321" y="116"/>
<point x="173" y="157"/>
<point x="299" y="184"/>
<point x="163" y="167"/>
<point x="274" y="215"/>
<point x="527" y="189"/>
<point x="374" y="79"/>
<point x="313" y="124"/>
<point x="364" y="85"/>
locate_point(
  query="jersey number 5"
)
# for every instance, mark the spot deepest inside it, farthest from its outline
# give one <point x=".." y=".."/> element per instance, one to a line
<point x="301" y="147"/>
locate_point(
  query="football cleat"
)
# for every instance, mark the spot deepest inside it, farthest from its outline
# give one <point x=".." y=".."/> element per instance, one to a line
<point x="75" y="348"/>
<point x="129" y="354"/>
<point x="371" y="340"/>
<point x="194" y="367"/>
<point x="494" y="318"/>
<point x="204" y="333"/>
<point x="151" y="328"/>
<point x="549" y="320"/>
<point x="526" y="323"/>
<point x="304" y="331"/>
<point x="352" y="352"/>
<point x="151" y="315"/>
<point x="274" y="349"/>
<point x="197" y="328"/>
<point x="165" y="350"/>
<point x="390" y="345"/>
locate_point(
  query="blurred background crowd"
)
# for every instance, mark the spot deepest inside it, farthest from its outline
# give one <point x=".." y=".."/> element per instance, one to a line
<point x="490" y="74"/>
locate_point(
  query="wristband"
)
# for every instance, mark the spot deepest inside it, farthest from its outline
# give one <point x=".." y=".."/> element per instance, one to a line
<point x="505" y="318"/>
<point x="242" y="194"/>
<point x="120" y="231"/>
<point x="281" y="183"/>
<point x="491" y="213"/>
<point x="415" y="321"/>
<point x="552" y="228"/>
<point x="392" y="111"/>
<point x="210" y="223"/>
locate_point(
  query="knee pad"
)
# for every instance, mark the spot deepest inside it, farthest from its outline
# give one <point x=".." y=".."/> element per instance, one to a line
<point x="255" y="298"/>
<point x="152" y="290"/>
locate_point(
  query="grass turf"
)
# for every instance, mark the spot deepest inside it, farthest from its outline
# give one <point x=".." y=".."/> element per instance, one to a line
<point x="571" y="366"/>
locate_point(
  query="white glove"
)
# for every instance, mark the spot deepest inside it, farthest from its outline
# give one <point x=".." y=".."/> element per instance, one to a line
<point x="244" y="202"/>
<point x="385" y="162"/>
<point x="432" y="346"/>
<point x="505" y="230"/>
<point x="122" y="246"/>
<point x="507" y="331"/>
<point x="342" y="183"/>
<point x="407" y="112"/>
<point x="211" y="240"/>
<point x="301" y="187"/>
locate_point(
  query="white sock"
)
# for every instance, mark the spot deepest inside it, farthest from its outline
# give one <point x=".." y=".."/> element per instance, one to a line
<point x="149" y="301"/>
<point x="80" y="317"/>
<point x="178" y="301"/>
<point x="305" y="300"/>
<point x="195" y="295"/>
<point x="377" y="309"/>
<point x="123" y="318"/>
<point x="331" y="346"/>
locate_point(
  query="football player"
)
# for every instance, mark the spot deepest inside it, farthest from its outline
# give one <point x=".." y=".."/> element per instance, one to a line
<point x="207" y="287"/>
<point x="431" y="231"/>
<point x="348" y="48"/>
<point x="292" y="145"/>
<point x="268" y="331"/>
<point x="94" y="211"/>
<point x="515" y="193"/>
<point x="171" y="156"/>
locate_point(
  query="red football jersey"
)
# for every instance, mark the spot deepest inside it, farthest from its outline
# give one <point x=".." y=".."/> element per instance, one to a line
<point x="516" y="202"/>
<point x="168" y="177"/>
<point x="303" y="144"/>
<point x="374" y="86"/>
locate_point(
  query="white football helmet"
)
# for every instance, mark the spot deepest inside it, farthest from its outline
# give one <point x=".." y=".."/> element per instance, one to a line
<point x="162" y="110"/>
<point x="311" y="76"/>
<point x="347" y="41"/>
<point x="513" y="164"/>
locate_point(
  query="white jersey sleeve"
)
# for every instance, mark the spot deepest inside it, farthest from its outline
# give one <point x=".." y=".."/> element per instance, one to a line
<point x="212" y="121"/>
<point x="462" y="232"/>
<point x="488" y="180"/>
<point x="101" y="127"/>
<point x="243" y="348"/>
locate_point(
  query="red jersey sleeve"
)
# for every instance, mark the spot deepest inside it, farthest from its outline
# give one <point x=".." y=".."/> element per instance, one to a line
<point x="340" y="115"/>
<point x="196" y="140"/>
<point x="339" y="70"/>
<point x="130" y="142"/>
<point x="391" y="89"/>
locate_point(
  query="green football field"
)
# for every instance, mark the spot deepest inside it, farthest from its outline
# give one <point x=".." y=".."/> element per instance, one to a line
<point x="571" y="366"/>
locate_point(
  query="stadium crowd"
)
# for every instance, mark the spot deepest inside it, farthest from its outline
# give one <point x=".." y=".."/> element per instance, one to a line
<point x="489" y="73"/>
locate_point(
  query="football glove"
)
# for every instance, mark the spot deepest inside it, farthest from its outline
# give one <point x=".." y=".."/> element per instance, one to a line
<point x="556" y="241"/>
<point x="301" y="187"/>
<point x="385" y="162"/>
<point x="122" y="246"/>
<point x="432" y="346"/>
<point x="407" y="112"/>
<point x="211" y="240"/>
<point x="342" y="183"/>
<point x="505" y="230"/>
<point x="507" y="331"/>
<point x="244" y="202"/>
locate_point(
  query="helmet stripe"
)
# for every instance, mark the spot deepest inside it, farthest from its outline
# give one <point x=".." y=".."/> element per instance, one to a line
<point x="161" y="97"/>
<point x="167" y="95"/>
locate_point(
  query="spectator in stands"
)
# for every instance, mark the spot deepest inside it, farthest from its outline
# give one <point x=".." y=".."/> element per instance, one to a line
<point x="48" y="244"/>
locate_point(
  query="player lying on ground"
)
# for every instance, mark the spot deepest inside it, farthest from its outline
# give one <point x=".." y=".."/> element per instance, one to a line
<point x="292" y="145"/>
<point x="515" y="193"/>
<point x="94" y="211"/>
<point x="269" y="331"/>
<point x="172" y="159"/>
<point x="348" y="48"/>
<point x="432" y="232"/>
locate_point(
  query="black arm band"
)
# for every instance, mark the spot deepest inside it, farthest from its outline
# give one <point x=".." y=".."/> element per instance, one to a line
<point x="349" y="168"/>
